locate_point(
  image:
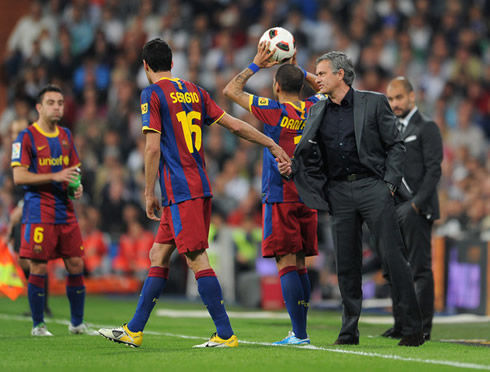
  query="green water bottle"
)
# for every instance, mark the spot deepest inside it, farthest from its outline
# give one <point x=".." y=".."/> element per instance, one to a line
<point x="74" y="184"/>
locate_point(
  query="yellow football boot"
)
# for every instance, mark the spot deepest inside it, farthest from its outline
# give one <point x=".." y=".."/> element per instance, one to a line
<point x="216" y="341"/>
<point x="123" y="335"/>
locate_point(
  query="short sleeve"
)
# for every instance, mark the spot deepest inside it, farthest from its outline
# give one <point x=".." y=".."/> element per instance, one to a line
<point x="74" y="158"/>
<point x="265" y="109"/>
<point x="317" y="97"/>
<point x="150" y="111"/>
<point x="212" y="112"/>
<point x="21" y="150"/>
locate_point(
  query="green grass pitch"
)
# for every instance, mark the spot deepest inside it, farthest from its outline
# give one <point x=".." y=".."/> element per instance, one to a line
<point x="167" y="344"/>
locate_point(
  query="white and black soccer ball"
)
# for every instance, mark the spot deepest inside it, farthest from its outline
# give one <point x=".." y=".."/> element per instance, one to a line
<point x="282" y="40"/>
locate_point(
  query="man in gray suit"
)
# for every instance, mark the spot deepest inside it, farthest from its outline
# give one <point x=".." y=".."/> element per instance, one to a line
<point x="422" y="172"/>
<point x="350" y="161"/>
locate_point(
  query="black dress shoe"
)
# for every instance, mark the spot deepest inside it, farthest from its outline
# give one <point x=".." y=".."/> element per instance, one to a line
<point x="392" y="333"/>
<point x="427" y="336"/>
<point x="341" y="341"/>
<point x="415" y="339"/>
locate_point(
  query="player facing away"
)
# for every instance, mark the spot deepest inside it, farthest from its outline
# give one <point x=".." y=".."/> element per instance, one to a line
<point x="174" y="112"/>
<point x="44" y="161"/>
<point x="289" y="226"/>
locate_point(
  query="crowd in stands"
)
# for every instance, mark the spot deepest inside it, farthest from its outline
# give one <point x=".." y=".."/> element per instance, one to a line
<point x="91" y="48"/>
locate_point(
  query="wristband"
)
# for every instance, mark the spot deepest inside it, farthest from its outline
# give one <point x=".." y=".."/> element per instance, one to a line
<point x="253" y="67"/>
<point x="304" y="71"/>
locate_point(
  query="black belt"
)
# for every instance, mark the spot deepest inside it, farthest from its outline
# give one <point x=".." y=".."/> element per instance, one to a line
<point x="353" y="177"/>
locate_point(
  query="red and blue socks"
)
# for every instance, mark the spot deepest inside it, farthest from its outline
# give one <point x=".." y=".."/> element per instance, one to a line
<point x="305" y="281"/>
<point x="152" y="288"/>
<point x="210" y="292"/>
<point x="36" y="295"/>
<point x="292" y="292"/>
<point x="75" y="291"/>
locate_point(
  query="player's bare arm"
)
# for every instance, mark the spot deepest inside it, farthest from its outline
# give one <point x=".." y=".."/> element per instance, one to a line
<point x="22" y="176"/>
<point x="234" y="90"/>
<point x="152" y="159"/>
<point x="248" y="132"/>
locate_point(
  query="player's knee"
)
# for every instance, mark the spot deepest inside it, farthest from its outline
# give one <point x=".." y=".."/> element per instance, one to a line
<point x="160" y="254"/>
<point x="74" y="265"/>
<point x="38" y="267"/>
<point x="197" y="260"/>
<point x="285" y="261"/>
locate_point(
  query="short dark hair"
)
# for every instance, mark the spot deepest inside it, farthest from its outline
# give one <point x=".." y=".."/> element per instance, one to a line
<point x="290" y="78"/>
<point x="157" y="55"/>
<point x="48" y="88"/>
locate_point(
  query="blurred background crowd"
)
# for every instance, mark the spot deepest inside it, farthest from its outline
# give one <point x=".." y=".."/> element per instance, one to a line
<point x="91" y="48"/>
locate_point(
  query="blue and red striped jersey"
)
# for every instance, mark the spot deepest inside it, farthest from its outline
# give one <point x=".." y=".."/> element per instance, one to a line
<point x="284" y="123"/>
<point x="178" y="109"/>
<point x="43" y="152"/>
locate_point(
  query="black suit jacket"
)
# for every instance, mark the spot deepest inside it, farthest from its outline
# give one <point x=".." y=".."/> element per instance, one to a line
<point x="379" y="145"/>
<point x="422" y="172"/>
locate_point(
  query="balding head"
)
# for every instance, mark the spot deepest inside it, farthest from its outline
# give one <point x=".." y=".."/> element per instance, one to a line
<point x="401" y="96"/>
<point x="402" y="81"/>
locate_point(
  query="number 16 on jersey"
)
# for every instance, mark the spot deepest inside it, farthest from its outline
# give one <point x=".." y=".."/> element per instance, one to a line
<point x="185" y="119"/>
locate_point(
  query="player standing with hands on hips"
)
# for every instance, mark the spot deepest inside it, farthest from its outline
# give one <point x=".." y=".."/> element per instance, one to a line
<point x="45" y="162"/>
<point x="174" y="112"/>
<point x="289" y="226"/>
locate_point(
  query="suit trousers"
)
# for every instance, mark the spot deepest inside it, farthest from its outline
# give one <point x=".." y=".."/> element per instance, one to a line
<point x="416" y="231"/>
<point x="352" y="203"/>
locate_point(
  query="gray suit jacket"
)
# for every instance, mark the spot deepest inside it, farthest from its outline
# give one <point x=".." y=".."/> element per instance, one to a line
<point x="378" y="142"/>
<point x="422" y="172"/>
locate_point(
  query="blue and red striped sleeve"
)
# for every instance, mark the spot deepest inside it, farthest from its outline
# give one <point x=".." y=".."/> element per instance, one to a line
<point x="266" y="110"/>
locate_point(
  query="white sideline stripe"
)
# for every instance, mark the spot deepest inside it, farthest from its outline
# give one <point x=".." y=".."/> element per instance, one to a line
<point x="450" y="319"/>
<point x="231" y="314"/>
<point x="460" y="318"/>
<point x="309" y="347"/>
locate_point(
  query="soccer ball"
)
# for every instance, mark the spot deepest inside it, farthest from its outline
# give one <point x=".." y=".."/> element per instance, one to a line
<point x="282" y="40"/>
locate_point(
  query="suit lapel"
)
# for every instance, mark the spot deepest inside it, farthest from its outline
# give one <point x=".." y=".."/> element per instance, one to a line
<point x="359" y="116"/>
<point x="315" y="118"/>
<point x="412" y="125"/>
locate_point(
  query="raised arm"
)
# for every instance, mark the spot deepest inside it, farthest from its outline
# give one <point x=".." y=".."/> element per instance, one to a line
<point x="234" y="89"/>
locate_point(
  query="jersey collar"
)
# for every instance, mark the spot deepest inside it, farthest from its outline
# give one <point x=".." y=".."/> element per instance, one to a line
<point x="302" y="108"/>
<point x="46" y="134"/>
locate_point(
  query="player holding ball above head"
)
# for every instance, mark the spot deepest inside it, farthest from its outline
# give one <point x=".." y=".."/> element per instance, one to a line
<point x="289" y="226"/>
<point x="174" y="113"/>
<point x="45" y="162"/>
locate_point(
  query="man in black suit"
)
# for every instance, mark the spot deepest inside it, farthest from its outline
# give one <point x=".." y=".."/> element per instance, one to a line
<point x="422" y="172"/>
<point x="349" y="161"/>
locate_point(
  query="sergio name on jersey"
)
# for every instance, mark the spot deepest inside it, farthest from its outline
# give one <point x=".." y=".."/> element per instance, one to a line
<point x="178" y="109"/>
<point x="284" y="123"/>
<point x="43" y="152"/>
